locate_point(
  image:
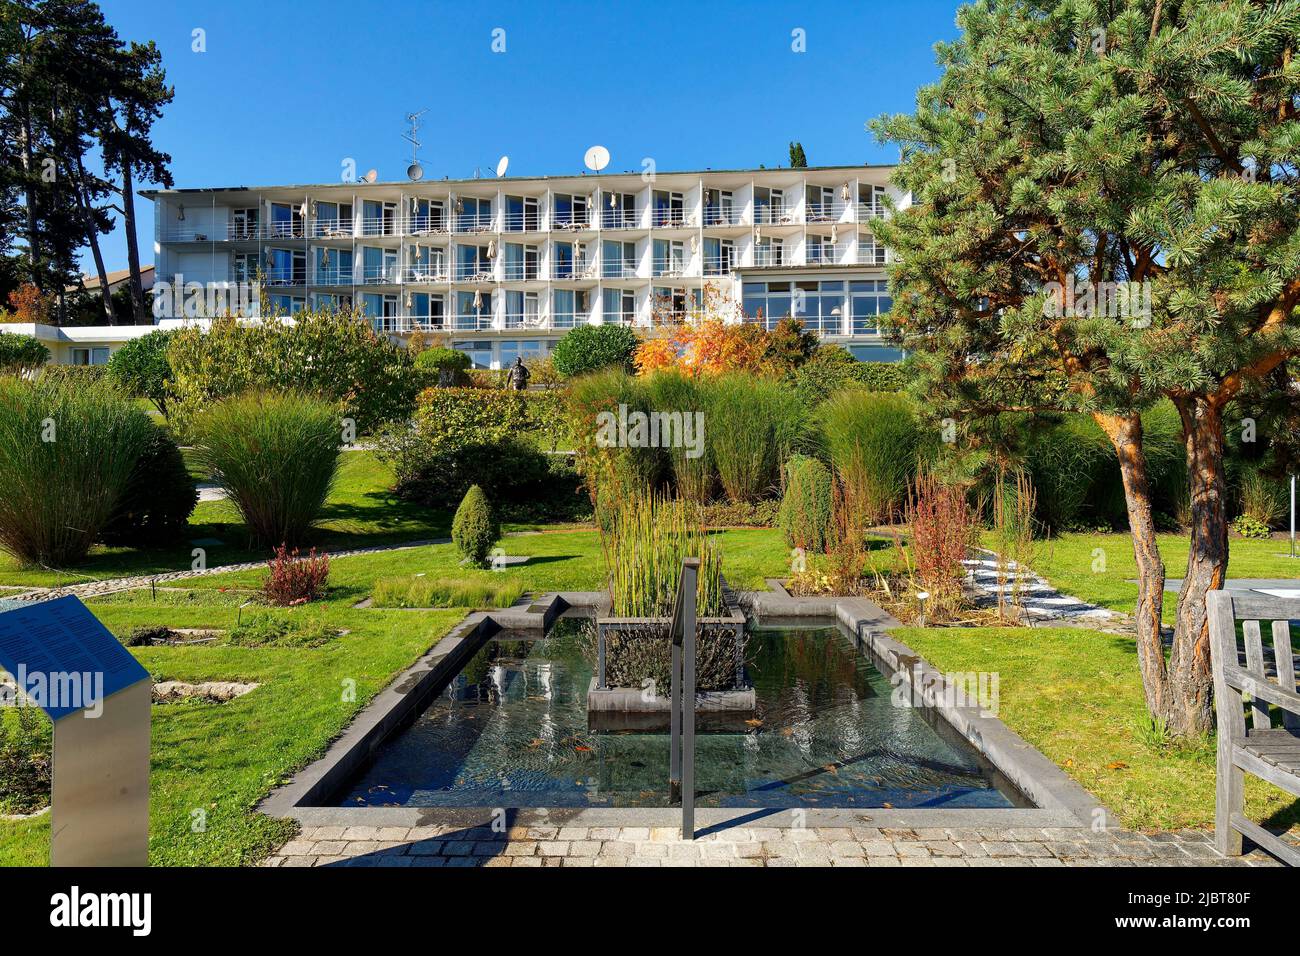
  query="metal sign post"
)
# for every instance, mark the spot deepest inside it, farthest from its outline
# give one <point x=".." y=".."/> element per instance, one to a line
<point x="63" y="660"/>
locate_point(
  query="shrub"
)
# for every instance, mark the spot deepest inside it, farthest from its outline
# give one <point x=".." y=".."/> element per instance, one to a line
<point x="276" y="456"/>
<point x="805" y="515"/>
<point x="612" y="471"/>
<point x="737" y="514"/>
<point x="464" y="436"/>
<point x="26" y="741"/>
<point x="831" y="369"/>
<point x="21" y="354"/>
<point x="941" y="527"/>
<point x="690" y="463"/>
<point x="75" y="375"/>
<point x="497" y="590"/>
<point x="66" y="458"/>
<point x="1260" y="499"/>
<point x="751" y="426"/>
<point x="159" y="498"/>
<point x="1250" y="527"/>
<point x="140" y="368"/>
<point x="447" y="366"/>
<point x="335" y="356"/>
<point x="474" y="529"/>
<point x="588" y="348"/>
<point x="873" y="440"/>
<point x="295" y="579"/>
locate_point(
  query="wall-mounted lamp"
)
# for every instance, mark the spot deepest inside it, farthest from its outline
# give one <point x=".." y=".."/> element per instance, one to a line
<point x="180" y="212"/>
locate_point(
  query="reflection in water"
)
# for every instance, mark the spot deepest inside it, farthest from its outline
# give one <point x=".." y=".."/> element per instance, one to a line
<point x="511" y="730"/>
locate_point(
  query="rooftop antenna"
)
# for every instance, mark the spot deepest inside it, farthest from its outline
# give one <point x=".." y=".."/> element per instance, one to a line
<point x="415" y="171"/>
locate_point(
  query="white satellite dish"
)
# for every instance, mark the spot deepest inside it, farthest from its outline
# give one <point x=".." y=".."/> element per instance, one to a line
<point x="596" y="158"/>
<point x="371" y="176"/>
<point x="414" y="172"/>
<point x="502" y="165"/>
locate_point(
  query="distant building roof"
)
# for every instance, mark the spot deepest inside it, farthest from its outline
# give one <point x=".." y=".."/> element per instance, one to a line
<point x="116" y="280"/>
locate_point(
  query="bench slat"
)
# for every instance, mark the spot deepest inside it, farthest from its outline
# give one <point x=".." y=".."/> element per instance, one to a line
<point x="1259" y="767"/>
<point x="1285" y="667"/>
<point x="1270" y="842"/>
<point x="1255" y="665"/>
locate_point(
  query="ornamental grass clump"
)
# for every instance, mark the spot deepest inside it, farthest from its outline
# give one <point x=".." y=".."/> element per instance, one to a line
<point x="67" y="452"/>
<point x="873" y="441"/>
<point x="805" y="513"/>
<point x="751" y="427"/>
<point x="276" y="456"/>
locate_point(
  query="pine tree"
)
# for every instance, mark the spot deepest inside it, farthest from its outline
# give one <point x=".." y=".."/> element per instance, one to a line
<point x="1144" y="147"/>
<point x="797" y="158"/>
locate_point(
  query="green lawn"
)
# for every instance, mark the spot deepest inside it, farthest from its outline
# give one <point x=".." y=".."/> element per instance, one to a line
<point x="1068" y="563"/>
<point x="1076" y="695"/>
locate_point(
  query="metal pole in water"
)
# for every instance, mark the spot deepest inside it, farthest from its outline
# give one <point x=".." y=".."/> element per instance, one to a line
<point x="689" y="578"/>
<point x="675" y="725"/>
<point x="1293" y="516"/>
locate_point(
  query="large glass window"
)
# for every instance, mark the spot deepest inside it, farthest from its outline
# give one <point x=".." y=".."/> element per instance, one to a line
<point x="473" y="215"/>
<point x="618" y="259"/>
<point x="823" y="306"/>
<point x="570" y="212"/>
<point x="286" y="267"/>
<point x="333" y="220"/>
<point x="869" y="300"/>
<point x="479" y="352"/>
<point x="569" y="307"/>
<point x="473" y="310"/>
<point x="618" y="306"/>
<point x="527" y="349"/>
<point x="472" y="263"/>
<point x="619" y="211"/>
<point x="767" y="302"/>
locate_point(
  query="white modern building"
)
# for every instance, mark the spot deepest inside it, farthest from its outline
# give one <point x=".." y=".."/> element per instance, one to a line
<point x="503" y="267"/>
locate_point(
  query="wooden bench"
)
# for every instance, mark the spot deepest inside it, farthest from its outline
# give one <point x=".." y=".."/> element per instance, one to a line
<point x="1268" y="752"/>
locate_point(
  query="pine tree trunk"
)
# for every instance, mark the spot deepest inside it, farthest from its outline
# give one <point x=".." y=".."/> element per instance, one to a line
<point x="140" y="315"/>
<point x="92" y="238"/>
<point x="1207" y="566"/>
<point x="1125" y="434"/>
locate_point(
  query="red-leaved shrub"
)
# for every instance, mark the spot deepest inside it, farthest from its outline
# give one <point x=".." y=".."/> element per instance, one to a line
<point x="295" y="579"/>
<point x="942" y="527"/>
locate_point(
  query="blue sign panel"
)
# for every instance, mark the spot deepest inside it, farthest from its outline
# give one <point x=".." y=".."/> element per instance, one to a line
<point x="63" y="658"/>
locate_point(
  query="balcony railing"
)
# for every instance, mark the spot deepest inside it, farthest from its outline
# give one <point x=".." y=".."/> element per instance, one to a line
<point x="333" y="276"/>
<point x="331" y="229"/>
<point x="520" y="272"/>
<point x="425" y="272"/>
<point x="668" y="218"/>
<point x="380" y="275"/>
<point x="474" y="272"/>
<point x="824" y="255"/>
<point x="468" y="222"/>
<point x="769" y="215"/>
<point x="618" y="270"/>
<point x="569" y="223"/>
<point x="719" y="265"/>
<point x="428" y="225"/>
<point x="409" y="323"/>
<point x="824" y="211"/>
<point x="522" y="222"/>
<point x="715" y="215"/>
<point x="870" y="254"/>
<point x="282" y="277"/>
<point x="868" y="210"/>
<point x="384" y="226"/>
<point x="581" y="269"/>
<point x="769" y="256"/>
<point x="668" y="267"/>
<point x="619" y="219"/>
<point x="469" y="322"/>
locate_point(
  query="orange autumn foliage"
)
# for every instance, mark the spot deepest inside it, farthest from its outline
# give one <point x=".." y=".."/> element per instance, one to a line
<point x="708" y="347"/>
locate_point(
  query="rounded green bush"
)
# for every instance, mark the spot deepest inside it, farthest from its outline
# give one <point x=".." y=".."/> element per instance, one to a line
<point x="805" y="513"/>
<point x="475" y="530"/>
<point x="453" y="362"/>
<point x="141" y="368"/>
<point x="276" y="456"/>
<point x="588" y="348"/>
<point x="67" y="453"/>
<point x="21" y="353"/>
<point x="159" y="499"/>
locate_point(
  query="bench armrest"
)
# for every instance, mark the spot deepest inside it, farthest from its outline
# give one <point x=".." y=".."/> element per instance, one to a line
<point x="1241" y="679"/>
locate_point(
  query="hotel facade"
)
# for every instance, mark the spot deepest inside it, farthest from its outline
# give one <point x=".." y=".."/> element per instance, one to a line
<point x="503" y="267"/>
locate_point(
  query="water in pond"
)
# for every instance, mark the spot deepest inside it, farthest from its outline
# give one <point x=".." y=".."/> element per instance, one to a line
<point x="511" y="730"/>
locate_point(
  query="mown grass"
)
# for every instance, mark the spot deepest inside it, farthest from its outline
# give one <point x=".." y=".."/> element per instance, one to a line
<point x="1076" y="695"/>
<point x="1099" y="568"/>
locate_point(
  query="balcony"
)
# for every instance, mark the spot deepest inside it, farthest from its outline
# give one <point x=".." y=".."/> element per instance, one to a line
<point x="870" y="254"/>
<point x="768" y="215"/>
<point x="424" y="225"/>
<point x="619" y="219"/>
<point x="824" y="255"/>
<point x="720" y="265"/>
<point x="522" y="221"/>
<point x="333" y="276"/>
<point x="582" y="269"/>
<point x="469" y="322"/>
<point x="332" y="229"/>
<point x="767" y="256"/>
<point x="866" y="211"/>
<point x="408" y="323"/>
<point x="716" y="215"/>
<point x="469" y="223"/>
<point x="824" y="211"/>
<point x="569" y="224"/>
<point x="380" y="275"/>
<point x="668" y="268"/>
<point x="475" y="272"/>
<point x="618" y="270"/>
<point x="283" y="277"/>
<point x="383" y="226"/>
<point x="668" y="218"/>
<point x="425" y="272"/>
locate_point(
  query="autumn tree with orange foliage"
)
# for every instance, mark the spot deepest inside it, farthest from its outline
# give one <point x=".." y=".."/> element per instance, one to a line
<point x="703" y="343"/>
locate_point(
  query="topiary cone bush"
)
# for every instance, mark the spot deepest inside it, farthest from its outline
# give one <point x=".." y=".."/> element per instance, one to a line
<point x="475" y="530"/>
<point x="589" y="348"/>
<point x="67" y="452"/>
<point x="159" y="499"/>
<point x="276" y="456"/>
<point x="805" y="513"/>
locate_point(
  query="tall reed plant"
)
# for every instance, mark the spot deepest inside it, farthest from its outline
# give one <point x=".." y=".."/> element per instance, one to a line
<point x="67" y="451"/>
<point x="692" y="467"/>
<point x="276" y="456"/>
<point x="873" y="441"/>
<point x="644" y="544"/>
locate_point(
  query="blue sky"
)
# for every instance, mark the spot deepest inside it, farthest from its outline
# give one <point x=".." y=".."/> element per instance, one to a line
<point x="287" y="90"/>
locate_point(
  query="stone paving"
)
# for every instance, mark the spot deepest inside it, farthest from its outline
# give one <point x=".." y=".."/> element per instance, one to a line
<point x="539" y="846"/>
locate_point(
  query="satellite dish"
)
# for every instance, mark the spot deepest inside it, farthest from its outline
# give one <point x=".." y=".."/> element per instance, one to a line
<point x="414" y="172"/>
<point x="596" y="158"/>
<point x="502" y="165"/>
<point x="371" y="176"/>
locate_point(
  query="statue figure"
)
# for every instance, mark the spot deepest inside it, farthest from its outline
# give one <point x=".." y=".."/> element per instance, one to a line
<point x="519" y="375"/>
